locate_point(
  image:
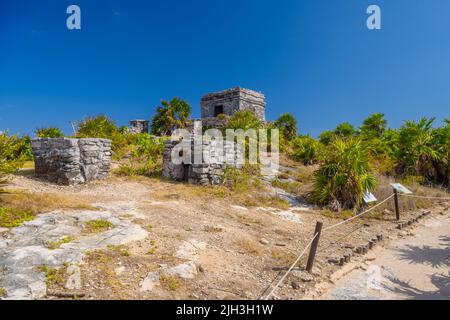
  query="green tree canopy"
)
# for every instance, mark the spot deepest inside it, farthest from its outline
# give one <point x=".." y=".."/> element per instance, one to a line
<point x="374" y="126"/>
<point x="49" y="132"/>
<point x="287" y="124"/>
<point x="170" y="116"/>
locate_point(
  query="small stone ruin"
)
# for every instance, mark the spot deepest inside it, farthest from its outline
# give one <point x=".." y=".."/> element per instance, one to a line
<point x="71" y="161"/>
<point x="138" y="126"/>
<point x="215" y="156"/>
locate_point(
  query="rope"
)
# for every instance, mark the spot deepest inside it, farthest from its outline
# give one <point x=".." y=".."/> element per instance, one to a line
<point x="290" y="269"/>
<point x="358" y="215"/>
<point x="425" y="197"/>
<point x="337" y="225"/>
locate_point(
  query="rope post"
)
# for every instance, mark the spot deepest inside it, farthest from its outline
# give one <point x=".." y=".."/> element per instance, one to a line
<point x="397" y="209"/>
<point x="314" y="245"/>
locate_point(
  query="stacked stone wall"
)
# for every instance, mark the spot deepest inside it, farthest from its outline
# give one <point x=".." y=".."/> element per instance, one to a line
<point x="71" y="161"/>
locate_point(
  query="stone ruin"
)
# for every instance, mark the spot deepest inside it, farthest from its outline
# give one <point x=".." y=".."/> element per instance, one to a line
<point x="138" y="126"/>
<point x="230" y="101"/>
<point x="71" y="161"/>
<point x="215" y="155"/>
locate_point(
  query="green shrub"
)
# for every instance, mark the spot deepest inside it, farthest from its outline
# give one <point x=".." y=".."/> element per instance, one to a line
<point x="49" y="132"/>
<point x="305" y="150"/>
<point x="244" y="120"/>
<point x="344" y="175"/>
<point x="287" y="124"/>
<point x="12" y="154"/>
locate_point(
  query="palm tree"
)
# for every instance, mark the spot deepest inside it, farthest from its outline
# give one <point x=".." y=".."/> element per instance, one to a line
<point x="170" y="116"/>
<point x="417" y="148"/>
<point x="374" y="126"/>
<point x="344" y="175"/>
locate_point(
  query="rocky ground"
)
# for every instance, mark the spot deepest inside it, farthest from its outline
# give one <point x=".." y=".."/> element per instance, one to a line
<point x="171" y="241"/>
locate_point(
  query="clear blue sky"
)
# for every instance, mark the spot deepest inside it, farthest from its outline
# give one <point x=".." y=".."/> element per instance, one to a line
<point x="315" y="59"/>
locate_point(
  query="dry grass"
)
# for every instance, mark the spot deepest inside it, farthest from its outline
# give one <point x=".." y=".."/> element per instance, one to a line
<point x="250" y="246"/>
<point x="169" y="282"/>
<point x="17" y="207"/>
<point x="54" y="277"/>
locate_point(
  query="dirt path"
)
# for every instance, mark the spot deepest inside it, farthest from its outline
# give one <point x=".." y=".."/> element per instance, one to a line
<point x="414" y="267"/>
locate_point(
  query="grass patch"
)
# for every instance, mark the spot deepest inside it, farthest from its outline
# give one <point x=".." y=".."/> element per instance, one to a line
<point x="120" y="250"/>
<point x="10" y="218"/>
<point x="213" y="229"/>
<point x="17" y="207"/>
<point x="56" y="244"/>
<point x="250" y="246"/>
<point x="2" y="292"/>
<point x="97" y="226"/>
<point x="170" y="282"/>
<point x="54" y="276"/>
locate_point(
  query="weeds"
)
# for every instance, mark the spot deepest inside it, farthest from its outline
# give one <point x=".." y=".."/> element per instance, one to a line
<point x="97" y="226"/>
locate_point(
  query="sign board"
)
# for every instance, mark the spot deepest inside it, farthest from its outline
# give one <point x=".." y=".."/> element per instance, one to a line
<point x="400" y="188"/>
<point x="368" y="197"/>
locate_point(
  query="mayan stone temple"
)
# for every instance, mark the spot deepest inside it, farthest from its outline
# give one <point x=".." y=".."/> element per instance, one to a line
<point x="215" y="156"/>
<point x="228" y="102"/>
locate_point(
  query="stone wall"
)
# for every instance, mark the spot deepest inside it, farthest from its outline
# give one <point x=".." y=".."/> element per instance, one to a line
<point x="233" y="100"/>
<point x="138" y="126"/>
<point x="71" y="161"/>
<point x="215" y="155"/>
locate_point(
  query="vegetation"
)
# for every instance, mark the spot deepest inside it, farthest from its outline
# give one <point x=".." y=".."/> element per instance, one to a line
<point x="306" y="150"/>
<point x="97" y="226"/>
<point x="170" y="116"/>
<point x="244" y="120"/>
<point x="12" y="153"/>
<point x="49" y="132"/>
<point x="287" y="125"/>
<point x="56" y="244"/>
<point x="344" y="175"/>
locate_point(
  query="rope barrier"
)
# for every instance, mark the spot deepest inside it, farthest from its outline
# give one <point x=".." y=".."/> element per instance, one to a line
<point x="358" y="215"/>
<point x="337" y="225"/>
<point x="290" y="269"/>
<point x="425" y="197"/>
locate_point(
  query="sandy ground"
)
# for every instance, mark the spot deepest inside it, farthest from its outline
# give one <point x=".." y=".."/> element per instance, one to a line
<point x="240" y="248"/>
<point x="415" y="267"/>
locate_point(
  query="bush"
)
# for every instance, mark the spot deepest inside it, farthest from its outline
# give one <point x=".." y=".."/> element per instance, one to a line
<point x="287" y="125"/>
<point x="146" y="156"/>
<point x="344" y="175"/>
<point x="305" y="150"/>
<point x="49" y="132"/>
<point x="244" y="120"/>
<point x="12" y="156"/>
<point x="97" y="127"/>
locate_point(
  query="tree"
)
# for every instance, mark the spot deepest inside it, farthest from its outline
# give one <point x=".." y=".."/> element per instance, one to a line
<point x="417" y="146"/>
<point x="170" y="116"/>
<point x="49" y="132"/>
<point x="345" y="130"/>
<point x="287" y="125"/>
<point x="374" y="126"/>
<point x="344" y="175"/>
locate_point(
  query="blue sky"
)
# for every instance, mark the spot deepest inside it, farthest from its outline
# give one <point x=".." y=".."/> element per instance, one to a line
<point x="315" y="59"/>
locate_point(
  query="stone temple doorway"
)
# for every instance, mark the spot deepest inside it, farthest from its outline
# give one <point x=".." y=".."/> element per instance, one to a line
<point x="218" y="110"/>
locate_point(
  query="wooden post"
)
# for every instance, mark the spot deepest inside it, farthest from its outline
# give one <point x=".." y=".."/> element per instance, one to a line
<point x="314" y="245"/>
<point x="397" y="210"/>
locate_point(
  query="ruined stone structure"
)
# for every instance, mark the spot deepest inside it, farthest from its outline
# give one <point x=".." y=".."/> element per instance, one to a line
<point x="71" y="161"/>
<point x="215" y="155"/>
<point x="230" y="101"/>
<point x="138" y="126"/>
